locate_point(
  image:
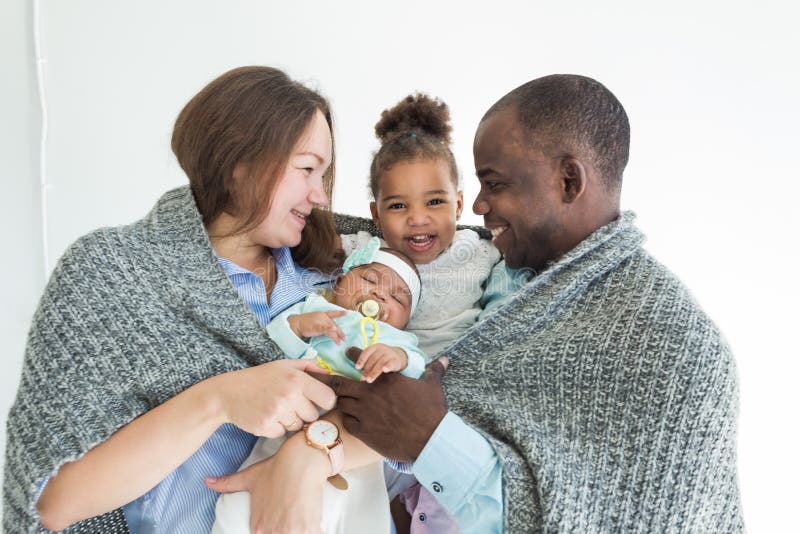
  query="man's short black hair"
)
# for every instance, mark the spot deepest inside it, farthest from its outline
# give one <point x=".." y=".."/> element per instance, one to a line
<point x="576" y="114"/>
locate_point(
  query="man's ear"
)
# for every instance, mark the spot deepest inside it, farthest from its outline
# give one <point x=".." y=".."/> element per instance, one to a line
<point x="373" y="208"/>
<point x="573" y="179"/>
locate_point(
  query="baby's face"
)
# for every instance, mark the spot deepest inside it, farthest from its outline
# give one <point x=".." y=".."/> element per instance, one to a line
<point x="380" y="283"/>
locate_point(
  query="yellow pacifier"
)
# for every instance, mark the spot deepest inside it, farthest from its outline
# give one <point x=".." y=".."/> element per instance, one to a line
<point x="370" y="310"/>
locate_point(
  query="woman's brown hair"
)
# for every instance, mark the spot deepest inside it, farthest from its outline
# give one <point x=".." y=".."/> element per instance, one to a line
<point x="253" y="117"/>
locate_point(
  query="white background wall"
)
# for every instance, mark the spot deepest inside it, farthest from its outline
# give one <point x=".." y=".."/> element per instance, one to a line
<point x="711" y="89"/>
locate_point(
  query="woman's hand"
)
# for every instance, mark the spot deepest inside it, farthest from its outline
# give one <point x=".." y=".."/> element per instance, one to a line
<point x="285" y="490"/>
<point x="261" y="400"/>
<point x="268" y="399"/>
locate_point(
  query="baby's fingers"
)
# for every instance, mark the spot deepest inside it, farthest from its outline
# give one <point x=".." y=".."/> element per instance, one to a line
<point x="335" y="333"/>
<point x="332" y="329"/>
<point x="365" y="355"/>
<point x="383" y="362"/>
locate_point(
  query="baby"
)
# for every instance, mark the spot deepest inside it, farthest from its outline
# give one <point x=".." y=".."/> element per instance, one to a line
<point x="372" y="301"/>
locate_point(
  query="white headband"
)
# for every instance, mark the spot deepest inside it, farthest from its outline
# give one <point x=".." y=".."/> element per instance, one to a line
<point x="405" y="271"/>
<point x="371" y="253"/>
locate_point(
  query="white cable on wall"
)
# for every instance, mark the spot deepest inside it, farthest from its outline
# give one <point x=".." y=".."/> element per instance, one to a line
<point x="43" y="185"/>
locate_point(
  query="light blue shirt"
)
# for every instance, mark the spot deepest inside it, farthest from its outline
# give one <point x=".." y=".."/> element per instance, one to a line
<point x="502" y="284"/>
<point x="181" y="503"/>
<point x="458" y="466"/>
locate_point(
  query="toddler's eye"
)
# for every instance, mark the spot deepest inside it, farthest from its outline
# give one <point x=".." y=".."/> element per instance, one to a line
<point x="397" y="206"/>
<point x="436" y="201"/>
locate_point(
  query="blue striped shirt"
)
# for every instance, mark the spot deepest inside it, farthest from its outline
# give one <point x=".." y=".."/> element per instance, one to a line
<point x="181" y="503"/>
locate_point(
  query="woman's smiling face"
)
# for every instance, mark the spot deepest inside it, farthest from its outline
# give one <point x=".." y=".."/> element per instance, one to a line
<point x="300" y="188"/>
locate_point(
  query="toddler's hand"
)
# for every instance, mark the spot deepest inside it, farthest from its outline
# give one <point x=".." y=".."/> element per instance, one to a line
<point x="318" y="323"/>
<point x="380" y="358"/>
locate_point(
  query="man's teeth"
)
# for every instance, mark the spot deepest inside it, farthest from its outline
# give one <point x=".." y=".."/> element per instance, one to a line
<point x="499" y="230"/>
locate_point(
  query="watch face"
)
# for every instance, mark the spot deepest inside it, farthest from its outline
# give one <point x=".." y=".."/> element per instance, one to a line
<point x="322" y="432"/>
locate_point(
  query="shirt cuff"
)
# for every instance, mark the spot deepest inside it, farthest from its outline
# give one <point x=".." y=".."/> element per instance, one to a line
<point x="415" y="366"/>
<point x="39" y="489"/>
<point x="455" y="458"/>
<point x="400" y="467"/>
<point x="283" y="336"/>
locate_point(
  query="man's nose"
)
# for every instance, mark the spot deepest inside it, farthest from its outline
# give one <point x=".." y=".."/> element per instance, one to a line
<point x="480" y="206"/>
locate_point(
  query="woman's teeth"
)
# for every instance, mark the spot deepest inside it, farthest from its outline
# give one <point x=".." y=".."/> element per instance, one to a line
<point x="298" y="214"/>
<point x="499" y="230"/>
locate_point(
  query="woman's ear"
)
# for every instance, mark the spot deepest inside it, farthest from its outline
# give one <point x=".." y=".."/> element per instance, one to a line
<point x="459" y="204"/>
<point x="573" y="179"/>
<point x="373" y="208"/>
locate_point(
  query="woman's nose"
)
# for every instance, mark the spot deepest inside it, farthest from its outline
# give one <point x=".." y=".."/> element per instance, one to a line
<point x="317" y="195"/>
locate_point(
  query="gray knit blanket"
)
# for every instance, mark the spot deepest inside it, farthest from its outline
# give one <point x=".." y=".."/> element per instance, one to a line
<point x="130" y="317"/>
<point x="609" y="396"/>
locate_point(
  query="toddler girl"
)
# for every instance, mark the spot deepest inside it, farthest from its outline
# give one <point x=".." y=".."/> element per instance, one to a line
<point x="416" y="204"/>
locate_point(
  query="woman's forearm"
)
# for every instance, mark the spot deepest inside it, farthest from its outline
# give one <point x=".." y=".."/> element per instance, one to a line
<point x="133" y="460"/>
<point x="356" y="453"/>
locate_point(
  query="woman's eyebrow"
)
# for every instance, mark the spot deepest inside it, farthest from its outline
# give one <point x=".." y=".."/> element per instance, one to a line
<point x="314" y="154"/>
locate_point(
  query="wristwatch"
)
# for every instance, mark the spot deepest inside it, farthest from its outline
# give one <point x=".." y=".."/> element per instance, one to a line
<point x="324" y="435"/>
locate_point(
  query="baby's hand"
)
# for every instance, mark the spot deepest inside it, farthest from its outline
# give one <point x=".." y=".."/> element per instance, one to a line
<point x="380" y="358"/>
<point x="318" y="323"/>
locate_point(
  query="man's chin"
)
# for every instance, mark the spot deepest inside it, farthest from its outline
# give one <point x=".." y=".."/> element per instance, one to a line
<point x="512" y="260"/>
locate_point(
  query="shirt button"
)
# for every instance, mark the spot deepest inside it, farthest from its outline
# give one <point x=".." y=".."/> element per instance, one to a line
<point x="422" y="518"/>
<point x="437" y="487"/>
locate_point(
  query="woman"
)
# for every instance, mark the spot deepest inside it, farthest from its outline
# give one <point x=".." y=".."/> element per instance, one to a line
<point x="143" y="363"/>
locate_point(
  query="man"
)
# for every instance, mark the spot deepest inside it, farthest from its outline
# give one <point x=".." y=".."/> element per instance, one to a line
<point x="599" y="392"/>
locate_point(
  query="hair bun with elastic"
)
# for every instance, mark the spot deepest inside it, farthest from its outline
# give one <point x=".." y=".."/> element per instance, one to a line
<point x="416" y="114"/>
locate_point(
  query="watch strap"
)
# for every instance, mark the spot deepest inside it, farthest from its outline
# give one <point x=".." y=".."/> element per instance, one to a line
<point x="336" y="455"/>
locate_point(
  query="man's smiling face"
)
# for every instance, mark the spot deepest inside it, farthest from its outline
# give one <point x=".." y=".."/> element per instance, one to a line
<point x="520" y="197"/>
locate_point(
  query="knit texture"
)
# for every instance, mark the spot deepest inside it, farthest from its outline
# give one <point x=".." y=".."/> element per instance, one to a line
<point x="609" y="396"/>
<point x="130" y="317"/>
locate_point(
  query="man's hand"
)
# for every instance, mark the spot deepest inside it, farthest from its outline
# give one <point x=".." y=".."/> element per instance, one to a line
<point x="395" y="415"/>
<point x="312" y="324"/>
